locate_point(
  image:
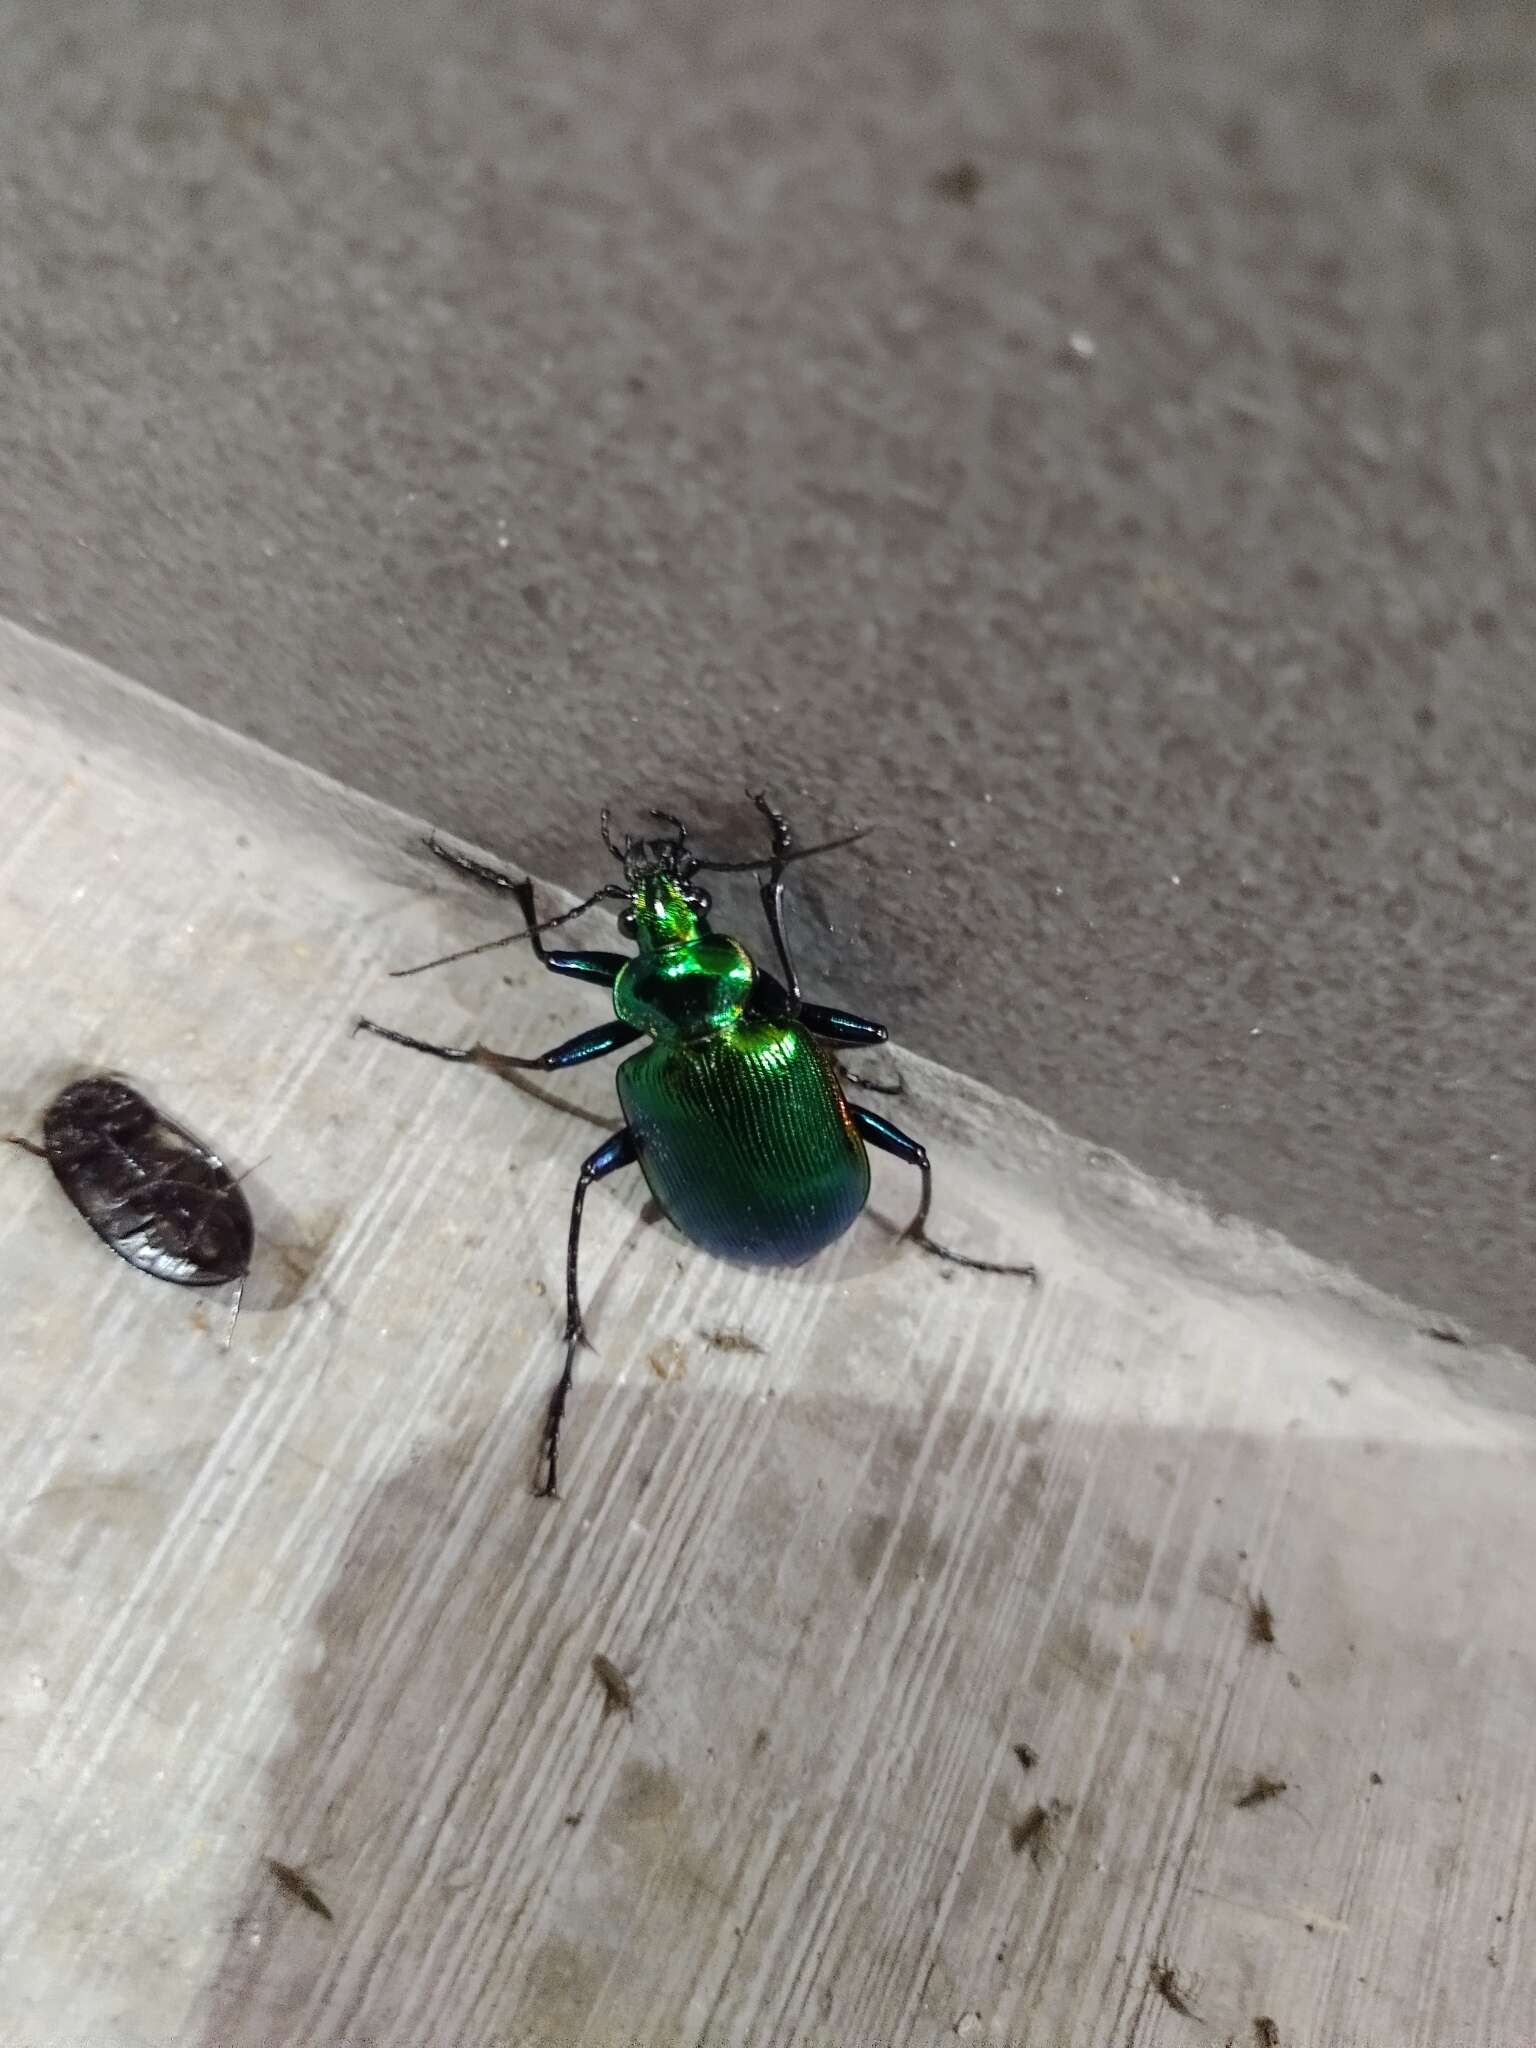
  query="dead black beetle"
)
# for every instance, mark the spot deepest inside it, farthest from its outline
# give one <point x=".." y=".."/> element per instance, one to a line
<point x="146" y="1186"/>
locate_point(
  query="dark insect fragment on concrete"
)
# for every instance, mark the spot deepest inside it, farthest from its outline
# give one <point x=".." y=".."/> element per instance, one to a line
<point x="1261" y="1619"/>
<point x="298" y="1886"/>
<point x="731" y="1340"/>
<point x="1165" y="1982"/>
<point x="618" y="1693"/>
<point x="1260" y="1790"/>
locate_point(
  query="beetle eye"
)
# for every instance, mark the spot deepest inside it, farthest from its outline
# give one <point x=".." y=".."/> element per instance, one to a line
<point x="627" y="924"/>
<point x="698" y="901"/>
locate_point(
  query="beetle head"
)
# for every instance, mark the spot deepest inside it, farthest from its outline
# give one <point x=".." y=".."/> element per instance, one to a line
<point x="665" y="906"/>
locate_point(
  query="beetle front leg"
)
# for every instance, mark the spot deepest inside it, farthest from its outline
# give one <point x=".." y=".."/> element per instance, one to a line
<point x="838" y="1027"/>
<point x="587" y="1045"/>
<point x="602" y="969"/>
<point x="619" y="1151"/>
<point x="772" y="894"/>
<point x="885" y="1137"/>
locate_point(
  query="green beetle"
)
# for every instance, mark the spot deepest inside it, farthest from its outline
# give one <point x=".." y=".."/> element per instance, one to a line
<point x="735" y="1111"/>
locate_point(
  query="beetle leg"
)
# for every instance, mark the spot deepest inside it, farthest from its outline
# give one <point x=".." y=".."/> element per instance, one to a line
<point x="841" y="1026"/>
<point x="27" y="1145"/>
<point x="477" y="870"/>
<point x="601" y="968"/>
<point x="838" y="1027"/>
<point x="772" y="893"/>
<point x="620" y="1150"/>
<point x="885" y="1137"/>
<point x="587" y="1045"/>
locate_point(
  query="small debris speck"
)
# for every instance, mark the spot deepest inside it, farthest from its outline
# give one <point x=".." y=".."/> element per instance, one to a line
<point x="574" y="1820"/>
<point x="1261" y="1619"/>
<point x="1265" y="2032"/>
<point x="1027" y="1757"/>
<point x="731" y="1340"/>
<point x="968" y="2026"/>
<point x="1377" y="1778"/>
<point x="669" y="1361"/>
<point x="1036" y="1830"/>
<point x="960" y="182"/>
<point x="1082" y="345"/>
<point x="298" y="1886"/>
<point x="1260" y="1791"/>
<point x="619" y="1694"/>
<point x="1165" y="1983"/>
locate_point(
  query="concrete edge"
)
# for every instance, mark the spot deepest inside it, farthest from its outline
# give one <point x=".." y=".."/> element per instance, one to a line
<point x="1151" y="1224"/>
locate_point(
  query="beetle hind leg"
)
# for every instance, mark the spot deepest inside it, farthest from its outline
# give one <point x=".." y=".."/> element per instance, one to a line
<point x="619" y="1151"/>
<point x="587" y="1045"/>
<point x="885" y="1137"/>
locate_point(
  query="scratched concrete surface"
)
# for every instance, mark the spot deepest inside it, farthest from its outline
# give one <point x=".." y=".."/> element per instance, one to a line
<point x="296" y="1601"/>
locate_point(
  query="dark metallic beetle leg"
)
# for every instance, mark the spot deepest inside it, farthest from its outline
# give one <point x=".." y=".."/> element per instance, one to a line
<point x="772" y="893"/>
<point x="771" y="999"/>
<point x="600" y="968"/>
<point x="885" y="1137"/>
<point x="603" y="968"/>
<point x="620" y="1150"/>
<point x="27" y="1145"/>
<point x="841" y="1026"/>
<point x="477" y="870"/>
<point x="587" y="1045"/>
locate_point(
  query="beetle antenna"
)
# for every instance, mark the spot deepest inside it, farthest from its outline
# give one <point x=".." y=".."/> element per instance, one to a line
<point x="510" y="938"/>
<point x="680" y="830"/>
<point x="783" y="860"/>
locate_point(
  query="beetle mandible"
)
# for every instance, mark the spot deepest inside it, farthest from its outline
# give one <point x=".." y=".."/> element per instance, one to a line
<point x="735" y="1112"/>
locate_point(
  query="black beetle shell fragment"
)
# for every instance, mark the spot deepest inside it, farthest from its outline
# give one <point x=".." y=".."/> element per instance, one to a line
<point x="148" y="1188"/>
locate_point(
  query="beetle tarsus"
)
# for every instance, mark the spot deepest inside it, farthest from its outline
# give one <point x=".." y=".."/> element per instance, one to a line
<point x="886" y="1137"/>
<point x="477" y="870"/>
<point x="931" y="1245"/>
<point x="548" y="1487"/>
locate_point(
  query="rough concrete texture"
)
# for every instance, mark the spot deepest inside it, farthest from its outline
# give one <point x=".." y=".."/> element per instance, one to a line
<point x="513" y="408"/>
<point x="295" y="1601"/>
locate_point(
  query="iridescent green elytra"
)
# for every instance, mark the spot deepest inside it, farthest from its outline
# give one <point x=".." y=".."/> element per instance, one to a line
<point x="735" y="1112"/>
<point x="739" y="1119"/>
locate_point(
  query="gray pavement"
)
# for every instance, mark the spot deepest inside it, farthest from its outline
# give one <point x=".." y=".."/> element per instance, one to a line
<point x="514" y="409"/>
